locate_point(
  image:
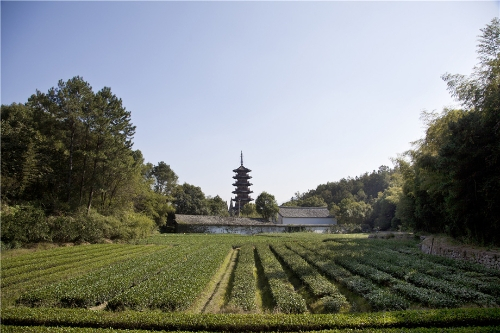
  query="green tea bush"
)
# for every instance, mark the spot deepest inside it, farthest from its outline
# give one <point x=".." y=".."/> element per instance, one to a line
<point x="181" y="279"/>
<point x="284" y="296"/>
<point x="97" y="286"/>
<point x="379" y="299"/>
<point x="444" y="320"/>
<point x="244" y="283"/>
<point x="317" y="284"/>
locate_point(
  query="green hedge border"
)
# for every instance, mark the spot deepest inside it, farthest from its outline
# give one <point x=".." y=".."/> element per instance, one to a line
<point x="155" y="320"/>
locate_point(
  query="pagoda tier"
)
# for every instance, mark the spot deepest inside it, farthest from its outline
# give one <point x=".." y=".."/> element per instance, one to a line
<point x="244" y="191"/>
<point x="242" y="185"/>
<point x="242" y="178"/>
<point x="242" y="170"/>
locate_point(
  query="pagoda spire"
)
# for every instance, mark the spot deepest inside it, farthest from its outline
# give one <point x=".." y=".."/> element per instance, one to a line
<point x="242" y="185"/>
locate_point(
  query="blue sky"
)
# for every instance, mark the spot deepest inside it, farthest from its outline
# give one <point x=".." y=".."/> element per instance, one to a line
<point x="310" y="91"/>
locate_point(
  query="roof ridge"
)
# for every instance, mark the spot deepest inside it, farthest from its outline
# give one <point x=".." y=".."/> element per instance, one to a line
<point x="301" y="207"/>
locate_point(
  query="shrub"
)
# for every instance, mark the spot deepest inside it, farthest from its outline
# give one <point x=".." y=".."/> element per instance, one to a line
<point x="24" y="224"/>
<point x="345" y="228"/>
<point x="63" y="228"/>
<point x="136" y="225"/>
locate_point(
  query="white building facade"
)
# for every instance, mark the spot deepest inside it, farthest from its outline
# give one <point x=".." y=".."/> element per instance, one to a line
<point x="305" y="216"/>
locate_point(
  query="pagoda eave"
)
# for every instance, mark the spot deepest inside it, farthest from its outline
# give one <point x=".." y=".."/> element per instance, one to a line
<point x="243" y="199"/>
<point x="242" y="177"/>
<point x="242" y="169"/>
<point x="242" y="184"/>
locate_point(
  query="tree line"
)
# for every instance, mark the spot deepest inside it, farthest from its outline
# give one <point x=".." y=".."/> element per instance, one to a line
<point x="450" y="181"/>
<point x="69" y="171"/>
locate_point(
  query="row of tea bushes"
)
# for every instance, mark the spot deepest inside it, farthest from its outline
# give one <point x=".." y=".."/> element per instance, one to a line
<point x="378" y="298"/>
<point x="64" y="263"/>
<point x="48" y="256"/>
<point x="424" y="296"/>
<point x="244" y="283"/>
<point x="483" y="283"/>
<point x="176" y="287"/>
<point x="409" y="269"/>
<point x="318" y="285"/>
<point x="284" y="295"/>
<point x="100" y="285"/>
<point x="444" y="320"/>
<point x="43" y="329"/>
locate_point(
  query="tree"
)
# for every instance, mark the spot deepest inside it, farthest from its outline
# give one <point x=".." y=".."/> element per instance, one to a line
<point x="314" y="201"/>
<point x="86" y="147"/>
<point x="249" y="210"/>
<point x="266" y="206"/>
<point x="217" y="206"/>
<point x="352" y="211"/>
<point x="165" y="178"/>
<point x="20" y="146"/>
<point x="71" y="148"/>
<point x="471" y="157"/>
<point x="384" y="208"/>
<point x="112" y="134"/>
<point x="453" y="184"/>
<point x="155" y="205"/>
<point x="69" y="109"/>
<point x="190" y="200"/>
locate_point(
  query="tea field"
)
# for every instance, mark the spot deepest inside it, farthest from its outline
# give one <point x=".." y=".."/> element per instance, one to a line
<point x="274" y="282"/>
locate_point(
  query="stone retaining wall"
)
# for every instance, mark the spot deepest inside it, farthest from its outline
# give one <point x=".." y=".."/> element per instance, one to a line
<point x="439" y="246"/>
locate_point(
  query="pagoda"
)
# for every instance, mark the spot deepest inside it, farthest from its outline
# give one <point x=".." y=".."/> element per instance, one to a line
<point x="242" y="190"/>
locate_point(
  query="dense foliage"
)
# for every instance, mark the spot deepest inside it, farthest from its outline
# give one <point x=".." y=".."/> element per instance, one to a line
<point x="449" y="183"/>
<point x="69" y="173"/>
<point x="266" y="206"/>
<point x="365" y="201"/>
<point x="451" y="178"/>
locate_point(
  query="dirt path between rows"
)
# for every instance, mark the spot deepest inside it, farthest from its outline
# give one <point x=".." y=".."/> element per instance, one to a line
<point x="217" y="298"/>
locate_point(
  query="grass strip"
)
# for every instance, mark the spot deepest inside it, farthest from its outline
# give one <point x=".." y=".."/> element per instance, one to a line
<point x="154" y="320"/>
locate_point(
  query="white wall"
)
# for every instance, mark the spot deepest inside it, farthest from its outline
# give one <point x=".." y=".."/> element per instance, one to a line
<point x="307" y="220"/>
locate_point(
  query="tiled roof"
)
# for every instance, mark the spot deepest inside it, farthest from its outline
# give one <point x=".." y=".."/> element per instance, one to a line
<point x="304" y="212"/>
<point x="242" y="168"/>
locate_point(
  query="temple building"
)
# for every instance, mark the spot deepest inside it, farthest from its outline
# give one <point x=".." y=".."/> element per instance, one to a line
<point x="242" y="190"/>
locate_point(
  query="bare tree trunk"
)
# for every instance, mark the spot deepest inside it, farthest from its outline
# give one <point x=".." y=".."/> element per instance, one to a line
<point x="92" y="179"/>
<point x="91" y="194"/>
<point x="82" y="179"/>
<point x="70" y="172"/>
